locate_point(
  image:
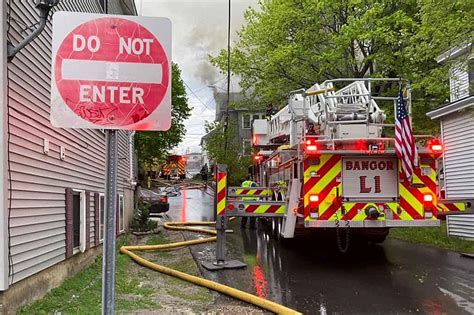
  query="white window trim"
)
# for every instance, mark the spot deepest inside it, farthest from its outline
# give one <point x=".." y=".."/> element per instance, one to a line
<point x="82" y="222"/>
<point x="250" y="121"/>
<point x="101" y="230"/>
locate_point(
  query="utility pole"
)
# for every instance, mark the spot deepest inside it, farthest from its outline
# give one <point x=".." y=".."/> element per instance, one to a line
<point x="226" y="120"/>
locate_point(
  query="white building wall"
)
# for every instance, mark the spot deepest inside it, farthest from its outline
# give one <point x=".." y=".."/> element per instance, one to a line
<point x="459" y="82"/>
<point x="3" y="155"/>
<point x="39" y="180"/>
<point x="458" y="139"/>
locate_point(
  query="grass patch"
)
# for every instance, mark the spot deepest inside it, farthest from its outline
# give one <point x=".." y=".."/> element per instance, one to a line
<point x="201" y="295"/>
<point x="157" y="239"/>
<point x="185" y="264"/>
<point x="434" y="236"/>
<point x="82" y="293"/>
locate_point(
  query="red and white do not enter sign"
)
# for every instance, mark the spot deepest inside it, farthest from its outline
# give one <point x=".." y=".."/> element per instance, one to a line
<point x="111" y="72"/>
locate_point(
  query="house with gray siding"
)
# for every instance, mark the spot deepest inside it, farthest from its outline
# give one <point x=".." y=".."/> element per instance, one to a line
<point x="242" y="117"/>
<point x="457" y="134"/>
<point x="53" y="179"/>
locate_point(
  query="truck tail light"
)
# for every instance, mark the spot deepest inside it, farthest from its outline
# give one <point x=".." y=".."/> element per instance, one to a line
<point x="164" y="199"/>
<point x="427" y="198"/>
<point x="428" y="205"/>
<point x="313" y="198"/>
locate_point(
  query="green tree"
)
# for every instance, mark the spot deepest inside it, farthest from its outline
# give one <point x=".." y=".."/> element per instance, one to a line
<point x="286" y="45"/>
<point x="237" y="164"/>
<point x="153" y="146"/>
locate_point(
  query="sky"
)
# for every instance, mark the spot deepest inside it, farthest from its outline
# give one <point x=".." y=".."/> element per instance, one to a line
<point x="199" y="29"/>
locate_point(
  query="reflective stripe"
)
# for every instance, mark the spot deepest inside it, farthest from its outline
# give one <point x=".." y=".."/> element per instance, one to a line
<point x="247" y="184"/>
<point x="221" y="192"/>
<point x="265" y="209"/>
<point x="325" y="184"/>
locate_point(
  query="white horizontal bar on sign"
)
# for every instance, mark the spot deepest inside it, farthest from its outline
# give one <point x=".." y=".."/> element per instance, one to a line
<point x="127" y="72"/>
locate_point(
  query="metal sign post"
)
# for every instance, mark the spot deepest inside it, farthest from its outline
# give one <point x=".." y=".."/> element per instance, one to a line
<point x="108" y="261"/>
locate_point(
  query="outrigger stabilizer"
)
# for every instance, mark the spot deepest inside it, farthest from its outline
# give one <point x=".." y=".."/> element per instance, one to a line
<point x="229" y="204"/>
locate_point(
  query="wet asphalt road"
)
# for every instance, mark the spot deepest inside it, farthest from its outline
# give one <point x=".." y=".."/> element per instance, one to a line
<point x="395" y="277"/>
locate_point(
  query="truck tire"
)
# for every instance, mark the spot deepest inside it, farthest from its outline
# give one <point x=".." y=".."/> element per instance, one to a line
<point x="376" y="236"/>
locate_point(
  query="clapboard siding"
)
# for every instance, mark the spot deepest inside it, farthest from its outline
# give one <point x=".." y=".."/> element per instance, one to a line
<point x="39" y="180"/>
<point x="458" y="137"/>
<point x="459" y="82"/>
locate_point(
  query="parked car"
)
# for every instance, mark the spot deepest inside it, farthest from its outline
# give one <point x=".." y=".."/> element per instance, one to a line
<point x="158" y="201"/>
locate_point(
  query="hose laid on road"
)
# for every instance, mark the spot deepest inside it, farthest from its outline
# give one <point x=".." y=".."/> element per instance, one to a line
<point x="191" y="226"/>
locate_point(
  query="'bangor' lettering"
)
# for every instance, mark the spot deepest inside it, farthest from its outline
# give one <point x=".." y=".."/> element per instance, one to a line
<point x="366" y="165"/>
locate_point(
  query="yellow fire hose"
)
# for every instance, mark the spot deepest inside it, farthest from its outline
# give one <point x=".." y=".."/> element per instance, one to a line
<point x="190" y="226"/>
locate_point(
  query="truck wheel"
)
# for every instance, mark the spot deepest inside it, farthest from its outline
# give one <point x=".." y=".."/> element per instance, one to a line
<point x="377" y="239"/>
<point x="376" y="236"/>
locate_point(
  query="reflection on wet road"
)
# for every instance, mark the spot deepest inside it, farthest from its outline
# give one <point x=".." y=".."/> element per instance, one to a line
<point x="192" y="205"/>
<point x="308" y="275"/>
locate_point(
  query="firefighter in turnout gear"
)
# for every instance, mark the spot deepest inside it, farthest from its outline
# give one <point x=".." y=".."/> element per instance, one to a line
<point x="247" y="184"/>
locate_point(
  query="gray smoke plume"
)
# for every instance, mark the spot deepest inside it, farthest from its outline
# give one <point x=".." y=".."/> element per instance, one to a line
<point x="199" y="30"/>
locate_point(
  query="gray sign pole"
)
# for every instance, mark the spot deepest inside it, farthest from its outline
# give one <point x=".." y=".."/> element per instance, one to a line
<point x="108" y="259"/>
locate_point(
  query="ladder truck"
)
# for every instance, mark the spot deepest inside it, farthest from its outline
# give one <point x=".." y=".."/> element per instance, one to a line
<point x="329" y="157"/>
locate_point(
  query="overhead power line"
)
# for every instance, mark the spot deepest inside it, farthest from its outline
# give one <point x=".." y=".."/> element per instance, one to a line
<point x="197" y="97"/>
<point x="226" y="121"/>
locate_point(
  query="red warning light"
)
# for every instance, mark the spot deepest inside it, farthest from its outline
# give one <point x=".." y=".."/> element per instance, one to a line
<point x="311" y="147"/>
<point x="435" y="146"/>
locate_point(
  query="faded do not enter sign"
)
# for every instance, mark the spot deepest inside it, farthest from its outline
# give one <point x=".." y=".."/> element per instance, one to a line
<point x="111" y="72"/>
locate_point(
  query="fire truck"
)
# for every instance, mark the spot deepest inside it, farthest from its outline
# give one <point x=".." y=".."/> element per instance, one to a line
<point x="329" y="156"/>
<point x="174" y="167"/>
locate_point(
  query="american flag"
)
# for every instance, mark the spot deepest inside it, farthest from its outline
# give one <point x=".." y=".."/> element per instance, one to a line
<point x="404" y="141"/>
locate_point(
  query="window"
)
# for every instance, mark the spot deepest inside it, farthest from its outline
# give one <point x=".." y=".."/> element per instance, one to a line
<point x="246" y="121"/>
<point x="120" y="219"/>
<point x="79" y="221"/>
<point x="101" y="216"/>
<point x="121" y="214"/>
